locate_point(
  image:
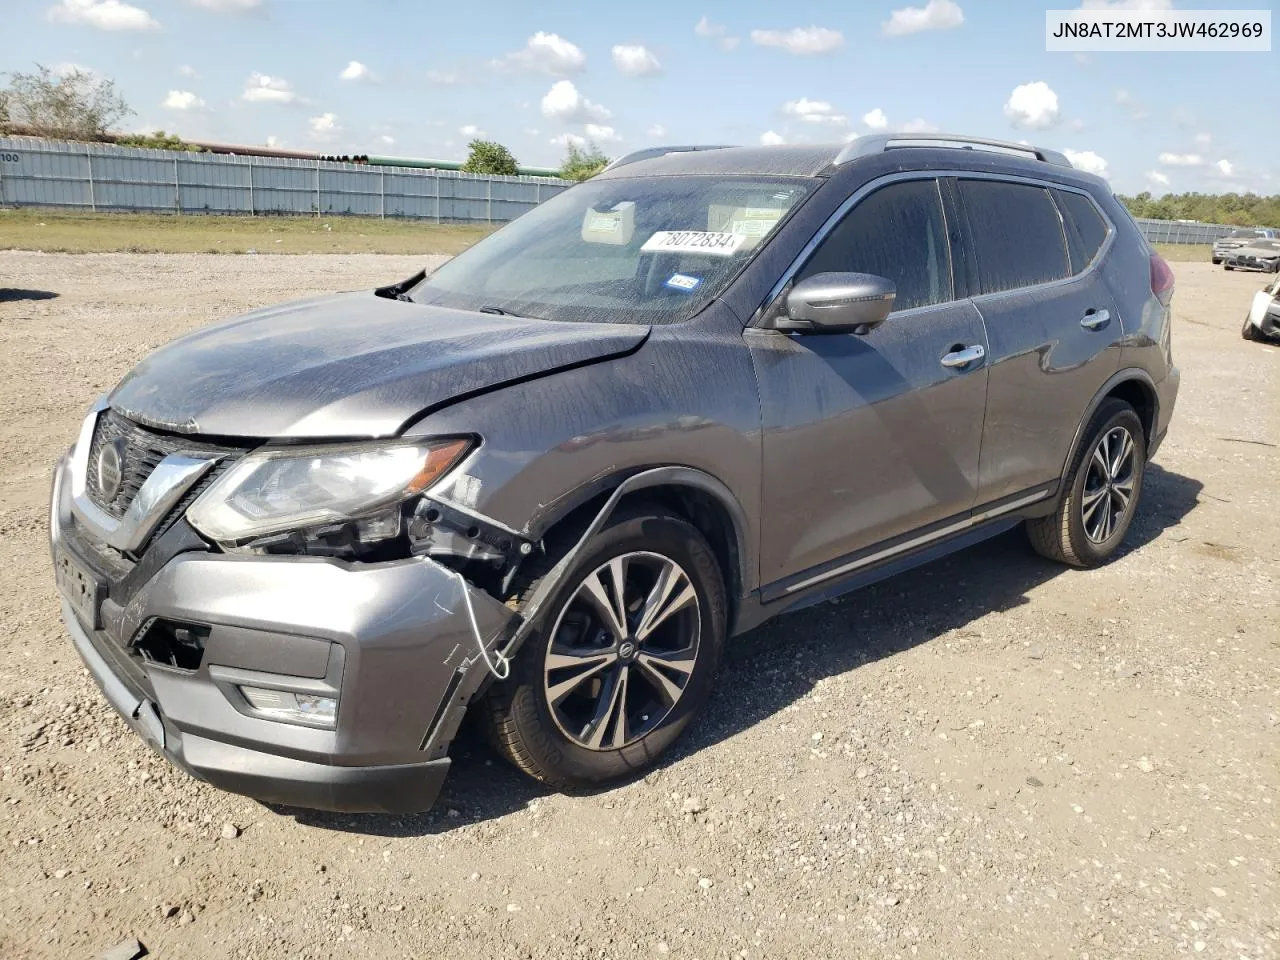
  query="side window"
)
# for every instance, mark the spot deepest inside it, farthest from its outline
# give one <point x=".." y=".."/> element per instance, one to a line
<point x="1086" y="230"/>
<point x="897" y="232"/>
<point x="1016" y="234"/>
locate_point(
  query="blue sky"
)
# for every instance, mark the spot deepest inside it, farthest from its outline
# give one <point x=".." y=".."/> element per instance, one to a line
<point x="417" y="79"/>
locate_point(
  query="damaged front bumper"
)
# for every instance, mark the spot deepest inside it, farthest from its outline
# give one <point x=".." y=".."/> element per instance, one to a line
<point x="391" y="642"/>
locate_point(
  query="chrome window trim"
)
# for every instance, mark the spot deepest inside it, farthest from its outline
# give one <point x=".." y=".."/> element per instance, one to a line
<point x="798" y="262"/>
<point x="159" y="493"/>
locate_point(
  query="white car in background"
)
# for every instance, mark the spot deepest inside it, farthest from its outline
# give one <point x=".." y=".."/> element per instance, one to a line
<point x="1260" y="256"/>
<point x="1263" y="320"/>
<point x="1224" y="246"/>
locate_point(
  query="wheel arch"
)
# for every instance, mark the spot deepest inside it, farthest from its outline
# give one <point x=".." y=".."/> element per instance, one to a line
<point x="1135" y="387"/>
<point x="687" y="492"/>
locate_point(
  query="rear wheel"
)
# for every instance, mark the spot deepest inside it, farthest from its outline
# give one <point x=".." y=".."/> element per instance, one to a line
<point x="1250" y="332"/>
<point x="1105" y="484"/>
<point x="623" y="659"/>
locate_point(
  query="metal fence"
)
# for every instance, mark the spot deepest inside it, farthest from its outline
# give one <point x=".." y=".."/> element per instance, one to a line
<point x="94" y="176"/>
<point x="91" y="176"/>
<point x="1181" y="231"/>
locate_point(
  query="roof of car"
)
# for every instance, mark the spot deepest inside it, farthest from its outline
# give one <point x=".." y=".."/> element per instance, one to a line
<point x="778" y="161"/>
<point x="811" y="161"/>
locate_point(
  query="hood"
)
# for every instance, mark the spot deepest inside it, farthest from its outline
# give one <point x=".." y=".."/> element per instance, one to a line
<point x="352" y="365"/>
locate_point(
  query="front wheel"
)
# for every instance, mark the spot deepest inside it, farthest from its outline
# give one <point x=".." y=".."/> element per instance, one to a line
<point x="1104" y="485"/>
<point x="623" y="659"/>
<point x="1250" y="332"/>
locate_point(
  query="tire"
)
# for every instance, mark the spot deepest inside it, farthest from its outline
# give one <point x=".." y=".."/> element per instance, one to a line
<point x="1227" y="266"/>
<point x="1250" y="332"/>
<point x="553" y="738"/>
<point x="1216" y="261"/>
<point x="1076" y="532"/>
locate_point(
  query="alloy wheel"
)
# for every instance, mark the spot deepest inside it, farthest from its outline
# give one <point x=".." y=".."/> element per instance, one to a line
<point x="1108" y="485"/>
<point x="622" y="650"/>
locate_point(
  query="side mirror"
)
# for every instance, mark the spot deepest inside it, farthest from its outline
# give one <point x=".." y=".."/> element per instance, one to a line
<point x="838" y="303"/>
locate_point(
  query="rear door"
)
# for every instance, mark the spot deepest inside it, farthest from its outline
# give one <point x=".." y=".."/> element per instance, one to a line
<point x="1053" y="325"/>
<point x="867" y="436"/>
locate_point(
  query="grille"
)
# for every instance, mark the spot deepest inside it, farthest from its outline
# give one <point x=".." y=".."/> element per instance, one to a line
<point x="142" y="451"/>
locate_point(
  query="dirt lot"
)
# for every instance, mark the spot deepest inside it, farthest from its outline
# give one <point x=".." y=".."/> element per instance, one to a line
<point x="988" y="757"/>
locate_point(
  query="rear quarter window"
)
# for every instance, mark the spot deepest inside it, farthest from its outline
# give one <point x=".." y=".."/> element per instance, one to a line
<point x="1016" y="234"/>
<point x="1086" y="230"/>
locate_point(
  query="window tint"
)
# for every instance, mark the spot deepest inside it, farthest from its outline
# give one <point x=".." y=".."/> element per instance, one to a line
<point x="1086" y="230"/>
<point x="1016" y="234"/>
<point x="897" y="232"/>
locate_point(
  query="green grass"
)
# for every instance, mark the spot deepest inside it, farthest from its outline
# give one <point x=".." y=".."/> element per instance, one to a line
<point x="1184" y="251"/>
<point x="57" y="231"/>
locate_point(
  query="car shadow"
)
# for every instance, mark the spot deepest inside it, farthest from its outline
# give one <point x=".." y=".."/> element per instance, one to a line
<point x="776" y="664"/>
<point x="10" y="295"/>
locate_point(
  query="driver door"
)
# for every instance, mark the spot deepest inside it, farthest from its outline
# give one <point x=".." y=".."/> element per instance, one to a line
<point x="870" y="436"/>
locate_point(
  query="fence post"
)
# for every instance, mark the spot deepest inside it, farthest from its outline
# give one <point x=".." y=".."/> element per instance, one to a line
<point x="177" y="185"/>
<point x="382" y="194"/>
<point x="253" y="205"/>
<point x="317" y="189"/>
<point x="488" y="201"/>
<point x="93" y="200"/>
<point x="437" y="179"/>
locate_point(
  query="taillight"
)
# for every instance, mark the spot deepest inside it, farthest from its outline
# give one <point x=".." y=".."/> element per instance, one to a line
<point x="1161" y="279"/>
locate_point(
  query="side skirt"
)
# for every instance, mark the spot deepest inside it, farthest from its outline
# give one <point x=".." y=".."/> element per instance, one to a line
<point x="845" y="574"/>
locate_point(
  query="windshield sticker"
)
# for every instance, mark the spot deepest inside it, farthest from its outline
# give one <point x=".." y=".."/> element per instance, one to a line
<point x="694" y="241"/>
<point x="603" y="222"/>
<point x="614" y="226"/>
<point x="752" y="228"/>
<point x="683" y="282"/>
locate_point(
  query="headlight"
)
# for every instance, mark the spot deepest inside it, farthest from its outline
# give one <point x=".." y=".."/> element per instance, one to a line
<point x="274" y="491"/>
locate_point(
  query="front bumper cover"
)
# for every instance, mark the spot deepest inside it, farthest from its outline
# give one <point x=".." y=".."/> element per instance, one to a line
<point x="392" y="638"/>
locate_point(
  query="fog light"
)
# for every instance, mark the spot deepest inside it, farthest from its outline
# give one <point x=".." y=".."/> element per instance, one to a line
<point x="297" y="707"/>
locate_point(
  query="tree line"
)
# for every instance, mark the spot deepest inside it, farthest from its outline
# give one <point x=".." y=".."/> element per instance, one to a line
<point x="1237" y="209"/>
<point x="78" y="105"/>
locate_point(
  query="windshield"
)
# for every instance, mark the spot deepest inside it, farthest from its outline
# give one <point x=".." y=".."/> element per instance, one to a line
<point x="653" y="250"/>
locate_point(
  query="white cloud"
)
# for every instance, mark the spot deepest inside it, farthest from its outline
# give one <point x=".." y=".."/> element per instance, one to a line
<point x="1226" y="168"/>
<point x="601" y="133"/>
<point x="635" y="60"/>
<point x="1126" y="5"/>
<point x="274" y="142"/>
<point x="705" y="28"/>
<point x="814" y="111"/>
<point x="657" y="130"/>
<point x="916" y="126"/>
<point x="261" y="88"/>
<point x="771" y="139"/>
<point x="1181" y="160"/>
<point x="324" y="127"/>
<point x="564" y="103"/>
<point x="355" y="70"/>
<point x="1032" y="105"/>
<point x="228" y="6"/>
<point x="876" y="119"/>
<point x="66" y="69"/>
<point x="1204" y="140"/>
<point x="1158" y="178"/>
<point x="104" y="14"/>
<point x="717" y="31"/>
<point x="182" y="100"/>
<point x="443" y="78"/>
<point x="1136" y="110"/>
<point x="547" y="53"/>
<point x="799" y="40"/>
<point x="934" y="15"/>
<point x="189" y="72"/>
<point x="1088" y="161"/>
<point x="386" y="140"/>
<point x="567" y="140"/>
<point x="1076" y="125"/>
<point x="471" y="130"/>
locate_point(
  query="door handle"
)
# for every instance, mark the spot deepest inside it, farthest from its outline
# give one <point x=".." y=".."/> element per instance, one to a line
<point x="1095" y="319"/>
<point x="962" y="358"/>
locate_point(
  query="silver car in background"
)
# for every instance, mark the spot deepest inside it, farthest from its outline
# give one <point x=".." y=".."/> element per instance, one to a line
<point x="1223" y="246"/>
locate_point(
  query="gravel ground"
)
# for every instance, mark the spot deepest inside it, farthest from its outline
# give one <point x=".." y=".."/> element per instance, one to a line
<point x="988" y="757"/>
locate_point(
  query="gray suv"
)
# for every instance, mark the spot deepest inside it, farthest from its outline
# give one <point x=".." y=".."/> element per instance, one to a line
<point x="547" y="482"/>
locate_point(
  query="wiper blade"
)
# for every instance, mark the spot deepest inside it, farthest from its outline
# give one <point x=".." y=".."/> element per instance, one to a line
<point x="496" y="311"/>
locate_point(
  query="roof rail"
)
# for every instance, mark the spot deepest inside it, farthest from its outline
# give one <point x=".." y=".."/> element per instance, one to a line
<point x="650" y="152"/>
<point x="879" y="143"/>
